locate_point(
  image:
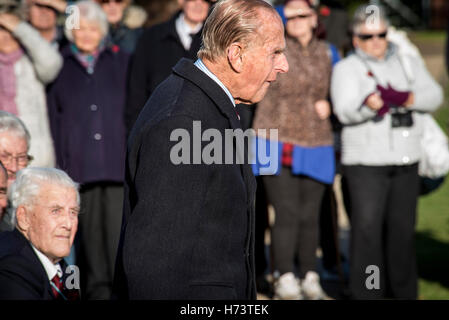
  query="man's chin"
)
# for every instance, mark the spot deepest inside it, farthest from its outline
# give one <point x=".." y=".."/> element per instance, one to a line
<point x="260" y="95"/>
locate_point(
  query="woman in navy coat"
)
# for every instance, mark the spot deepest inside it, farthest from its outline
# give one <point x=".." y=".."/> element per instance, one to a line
<point x="86" y="107"/>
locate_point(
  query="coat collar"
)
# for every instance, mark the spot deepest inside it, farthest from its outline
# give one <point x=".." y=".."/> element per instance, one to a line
<point x="187" y="70"/>
<point x="38" y="269"/>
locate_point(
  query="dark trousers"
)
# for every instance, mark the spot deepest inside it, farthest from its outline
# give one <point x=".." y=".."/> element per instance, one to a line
<point x="99" y="233"/>
<point x="329" y="230"/>
<point x="383" y="213"/>
<point x="296" y="201"/>
<point x="261" y="226"/>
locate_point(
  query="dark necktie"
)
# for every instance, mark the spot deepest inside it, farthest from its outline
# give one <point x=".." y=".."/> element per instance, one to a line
<point x="57" y="287"/>
<point x="62" y="293"/>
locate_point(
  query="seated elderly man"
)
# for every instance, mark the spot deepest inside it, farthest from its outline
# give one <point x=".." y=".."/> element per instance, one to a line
<point x="46" y="202"/>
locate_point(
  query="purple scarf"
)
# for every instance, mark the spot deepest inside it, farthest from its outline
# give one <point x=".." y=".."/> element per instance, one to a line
<point x="8" y="80"/>
<point x="88" y="60"/>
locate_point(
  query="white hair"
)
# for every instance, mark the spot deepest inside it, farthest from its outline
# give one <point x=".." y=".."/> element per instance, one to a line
<point x="92" y="12"/>
<point x="13" y="125"/>
<point x="367" y="13"/>
<point x="29" y="181"/>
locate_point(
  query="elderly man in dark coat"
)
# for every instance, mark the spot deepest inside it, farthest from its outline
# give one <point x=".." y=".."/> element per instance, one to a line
<point x="46" y="206"/>
<point x="188" y="229"/>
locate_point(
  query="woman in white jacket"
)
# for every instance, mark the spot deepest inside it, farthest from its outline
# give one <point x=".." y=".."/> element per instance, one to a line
<point x="381" y="107"/>
<point x="27" y="62"/>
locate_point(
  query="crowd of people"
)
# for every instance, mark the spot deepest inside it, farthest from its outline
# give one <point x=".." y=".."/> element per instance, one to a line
<point x="75" y="106"/>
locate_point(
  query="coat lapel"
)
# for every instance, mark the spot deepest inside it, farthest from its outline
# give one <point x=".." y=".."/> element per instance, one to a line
<point x="187" y="70"/>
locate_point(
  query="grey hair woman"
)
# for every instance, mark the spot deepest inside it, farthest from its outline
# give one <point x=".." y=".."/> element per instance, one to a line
<point x="93" y="27"/>
<point x="381" y="106"/>
<point x="13" y="125"/>
<point x="27" y="64"/>
<point x="86" y="107"/>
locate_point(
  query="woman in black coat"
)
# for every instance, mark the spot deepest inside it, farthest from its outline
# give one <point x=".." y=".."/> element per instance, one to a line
<point x="86" y="106"/>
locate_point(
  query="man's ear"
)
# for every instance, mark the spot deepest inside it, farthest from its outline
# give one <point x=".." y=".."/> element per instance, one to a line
<point x="235" y="56"/>
<point x="23" y="221"/>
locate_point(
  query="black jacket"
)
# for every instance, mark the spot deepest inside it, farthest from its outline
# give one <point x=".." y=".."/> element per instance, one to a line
<point x="187" y="230"/>
<point x="158" y="50"/>
<point x="126" y="38"/>
<point x="22" y="276"/>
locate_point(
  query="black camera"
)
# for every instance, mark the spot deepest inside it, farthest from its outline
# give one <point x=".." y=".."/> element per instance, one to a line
<point x="400" y="117"/>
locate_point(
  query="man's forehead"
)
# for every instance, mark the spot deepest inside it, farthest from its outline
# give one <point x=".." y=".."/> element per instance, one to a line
<point x="56" y="193"/>
<point x="273" y="36"/>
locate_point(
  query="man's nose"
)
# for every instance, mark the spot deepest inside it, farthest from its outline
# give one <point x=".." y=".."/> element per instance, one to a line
<point x="68" y="220"/>
<point x="283" y="64"/>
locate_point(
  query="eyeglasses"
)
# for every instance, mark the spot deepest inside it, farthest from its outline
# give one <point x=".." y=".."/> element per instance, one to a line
<point x="299" y="16"/>
<point x="22" y="160"/>
<point x="365" y="37"/>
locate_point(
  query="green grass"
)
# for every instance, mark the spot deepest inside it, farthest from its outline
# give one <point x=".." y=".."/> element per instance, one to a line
<point x="427" y="35"/>
<point x="432" y="238"/>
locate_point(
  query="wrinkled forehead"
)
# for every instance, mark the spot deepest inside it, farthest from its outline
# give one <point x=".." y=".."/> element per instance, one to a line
<point x="271" y="28"/>
<point x="57" y="194"/>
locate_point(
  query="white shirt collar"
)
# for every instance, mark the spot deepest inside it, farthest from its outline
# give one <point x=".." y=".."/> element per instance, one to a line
<point x="184" y="31"/>
<point x="50" y="268"/>
<point x="200" y="65"/>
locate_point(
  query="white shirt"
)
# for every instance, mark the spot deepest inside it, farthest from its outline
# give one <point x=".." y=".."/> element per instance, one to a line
<point x="50" y="268"/>
<point x="184" y="31"/>
<point x="200" y="65"/>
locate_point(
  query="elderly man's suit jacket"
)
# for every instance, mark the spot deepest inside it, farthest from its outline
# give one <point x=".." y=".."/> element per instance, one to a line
<point x="22" y="276"/>
<point x="187" y="230"/>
